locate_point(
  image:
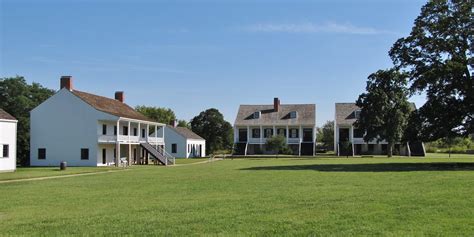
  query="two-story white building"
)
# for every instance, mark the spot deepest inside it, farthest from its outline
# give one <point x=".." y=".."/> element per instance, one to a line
<point x="346" y="134"/>
<point x="84" y="129"/>
<point x="256" y="123"/>
<point x="8" y="130"/>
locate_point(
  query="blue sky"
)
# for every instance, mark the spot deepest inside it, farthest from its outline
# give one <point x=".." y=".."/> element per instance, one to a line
<point x="194" y="55"/>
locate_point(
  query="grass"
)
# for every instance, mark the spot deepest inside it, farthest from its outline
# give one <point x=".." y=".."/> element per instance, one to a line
<point x="36" y="172"/>
<point x="264" y="197"/>
<point x="190" y="160"/>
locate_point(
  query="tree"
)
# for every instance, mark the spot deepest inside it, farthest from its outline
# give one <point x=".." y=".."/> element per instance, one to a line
<point x="210" y="125"/>
<point x="438" y="58"/>
<point x="183" y="123"/>
<point x="384" y="108"/>
<point x="18" y="98"/>
<point x="278" y="145"/>
<point x="161" y="115"/>
<point x="326" y="135"/>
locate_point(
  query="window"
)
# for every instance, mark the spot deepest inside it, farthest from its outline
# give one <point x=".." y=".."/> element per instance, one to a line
<point x="5" y="151"/>
<point x="268" y="132"/>
<point x="357" y="114"/>
<point x="242" y="135"/>
<point x="174" y="148"/>
<point x="281" y="131"/>
<point x="41" y="153"/>
<point x="104" y="129"/>
<point x="84" y="154"/>
<point x="256" y="115"/>
<point x="115" y="130"/>
<point x="294" y="133"/>
<point x="143" y="133"/>
<point x="293" y="114"/>
<point x="256" y="133"/>
<point x="125" y="130"/>
<point x="358" y="133"/>
<point x="135" y="132"/>
<point x="115" y="153"/>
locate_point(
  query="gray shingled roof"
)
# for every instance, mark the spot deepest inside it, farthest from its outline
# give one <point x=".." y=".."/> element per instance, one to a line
<point x="345" y="113"/>
<point x="185" y="132"/>
<point x="5" y="115"/>
<point x="306" y="115"/>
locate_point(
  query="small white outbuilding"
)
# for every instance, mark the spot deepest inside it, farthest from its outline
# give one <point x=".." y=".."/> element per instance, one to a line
<point x="181" y="142"/>
<point x="8" y="127"/>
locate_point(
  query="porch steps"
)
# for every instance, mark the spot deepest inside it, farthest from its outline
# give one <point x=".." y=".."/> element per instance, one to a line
<point x="417" y="149"/>
<point x="159" y="156"/>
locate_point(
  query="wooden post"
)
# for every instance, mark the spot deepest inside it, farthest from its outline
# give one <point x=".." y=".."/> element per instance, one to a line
<point x="117" y="150"/>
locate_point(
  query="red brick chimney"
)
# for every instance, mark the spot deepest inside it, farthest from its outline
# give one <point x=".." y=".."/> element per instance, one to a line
<point x="66" y="82"/>
<point x="276" y="104"/>
<point x="120" y="96"/>
<point x="173" y="123"/>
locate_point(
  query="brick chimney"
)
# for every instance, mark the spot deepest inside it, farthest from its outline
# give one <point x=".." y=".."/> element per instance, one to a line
<point x="276" y="104"/>
<point x="66" y="82"/>
<point x="120" y="96"/>
<point x="173" y="123"/>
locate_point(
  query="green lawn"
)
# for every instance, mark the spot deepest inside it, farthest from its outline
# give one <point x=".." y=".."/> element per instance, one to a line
<point x="190" y="160"/>
<point x="368" y="196"/>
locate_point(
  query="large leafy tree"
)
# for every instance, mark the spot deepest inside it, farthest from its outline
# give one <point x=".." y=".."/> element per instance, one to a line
<point x="18" y="98"/>
<point x="161" y="115"/>
<point x="438" y="58"/>
<point x="384" y="108"/>
<point x="325" y="135"/>
<point x="210" y="125"/>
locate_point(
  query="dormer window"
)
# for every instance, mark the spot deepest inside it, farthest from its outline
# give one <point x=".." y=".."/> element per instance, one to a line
<point x="293" y="115"/>
<point x="357" y="114"/>
<point x="256" y="115"/>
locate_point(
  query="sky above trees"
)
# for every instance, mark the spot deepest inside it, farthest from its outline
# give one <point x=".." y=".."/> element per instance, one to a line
<point x="194" y="55"/>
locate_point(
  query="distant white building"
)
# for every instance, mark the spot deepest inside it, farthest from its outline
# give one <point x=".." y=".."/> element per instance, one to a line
<point x="183" y="143"/>
<point x="345" y="133"/>
<point x="254" y="124"/>
<point x="8" y="129"/>
<point x="83" y="129"/>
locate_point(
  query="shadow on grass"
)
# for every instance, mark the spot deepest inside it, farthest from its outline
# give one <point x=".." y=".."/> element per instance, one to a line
<point x="385" y="167"/>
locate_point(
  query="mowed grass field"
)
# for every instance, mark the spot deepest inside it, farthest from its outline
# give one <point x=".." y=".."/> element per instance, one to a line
<point x="241" y="197"/>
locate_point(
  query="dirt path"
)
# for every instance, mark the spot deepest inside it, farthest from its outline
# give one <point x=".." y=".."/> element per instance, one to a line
<point x="91" y="173"/>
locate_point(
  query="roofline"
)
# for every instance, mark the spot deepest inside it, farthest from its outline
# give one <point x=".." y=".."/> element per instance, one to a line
<point x="186" y="138"/>
<point x="138" y="120"/>
<point x="272" y="104"/>
<point x="9" y="120"/>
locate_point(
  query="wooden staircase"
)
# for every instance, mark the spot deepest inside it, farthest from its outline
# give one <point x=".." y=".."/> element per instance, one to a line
<point x="159" y="154"/>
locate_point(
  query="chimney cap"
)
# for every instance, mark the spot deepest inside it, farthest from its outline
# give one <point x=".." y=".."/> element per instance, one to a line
<point x="120" y="96"/>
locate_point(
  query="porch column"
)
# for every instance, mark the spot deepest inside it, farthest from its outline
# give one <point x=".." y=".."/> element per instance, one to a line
<point x="300" y="134"/>
<point x="287" y="134"/>
<point x="139" y="132"/>
<point x="147" y="131"/>
<point x="156" y="136"/>
<point x="248" y="134"/>
<point x="129" y="145"/>
<point x="351" y="138"/>
<point x="314" y="140"/>
<point x="117" y="149"/>
<point x="274" y="130"/>
<point x="261" y="137"/>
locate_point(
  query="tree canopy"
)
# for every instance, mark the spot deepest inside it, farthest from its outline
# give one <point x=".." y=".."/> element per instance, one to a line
<point x="384" y="108"/>
<point x="18" y="98"/>
<point x="210" y="125"/>
<point x="325" y="135"/>
<point x="438" y="58"/>
<point x="161" y="115"/>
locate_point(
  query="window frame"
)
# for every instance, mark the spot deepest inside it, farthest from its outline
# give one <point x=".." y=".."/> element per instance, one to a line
<point x="255" y="132"/>
<point x="42" y="154"/>
<point x="3" y="154"/>
<point x="174" y="148"/>
<point x="104" y="129"/>
<point x="85" y="154"/>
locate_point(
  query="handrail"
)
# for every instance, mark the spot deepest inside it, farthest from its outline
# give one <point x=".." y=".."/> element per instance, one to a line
<point x="167" y="155"/>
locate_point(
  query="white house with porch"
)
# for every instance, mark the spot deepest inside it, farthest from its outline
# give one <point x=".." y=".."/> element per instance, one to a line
<point x="8" y="131"/>
<point x="84" y="129"/>
<point x="256" y="123"/>
<point x="349" y="140"/>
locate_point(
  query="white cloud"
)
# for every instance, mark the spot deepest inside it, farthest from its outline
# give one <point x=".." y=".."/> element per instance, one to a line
<point x="330" y="27"/>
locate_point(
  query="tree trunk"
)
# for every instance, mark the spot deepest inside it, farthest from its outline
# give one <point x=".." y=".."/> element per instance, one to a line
<point x="390" y="149"/>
